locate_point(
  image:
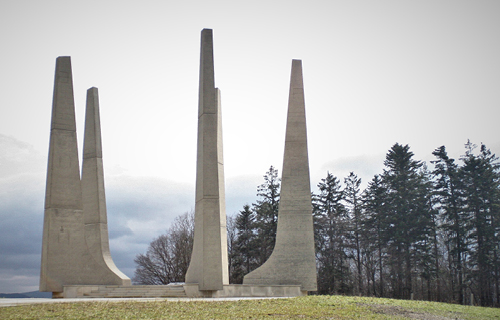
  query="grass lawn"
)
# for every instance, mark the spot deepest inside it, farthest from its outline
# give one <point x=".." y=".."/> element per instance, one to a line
<point x="311" y="307"/>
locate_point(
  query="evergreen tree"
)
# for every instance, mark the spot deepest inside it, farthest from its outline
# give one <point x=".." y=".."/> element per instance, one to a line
<point x="409" y="219"/>
<point x="244" y="246"/>
<point x="266" y="214"/>
<point x="450" y="200"/>
<point x="427" y="253"/>
<point x="232" y="255"/>
<point x="375" y="224"/>
<point x="331" y="233"/>
<point x="481" y="185"/>
<point x="352" y="196"/>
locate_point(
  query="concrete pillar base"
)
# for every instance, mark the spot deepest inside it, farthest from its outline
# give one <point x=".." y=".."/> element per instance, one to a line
<point x="178" y="291"/>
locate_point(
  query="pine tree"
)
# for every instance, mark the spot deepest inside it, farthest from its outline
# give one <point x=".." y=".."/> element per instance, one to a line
<point x="409" y="217"/>
<point x="244" y="246"/>
<point x="234" y="265"/>
<point x="375" y="224"/>
<point x="266" y="214"/>
<point x="481" y="185"/>
<point x="331" y="233"/>
<point x="450" y="199"/>
<point x="352" y="195"/>
<point x="427" y="253"/>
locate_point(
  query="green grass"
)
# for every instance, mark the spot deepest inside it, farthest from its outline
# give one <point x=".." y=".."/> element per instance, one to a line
<point x="311" y="307"/>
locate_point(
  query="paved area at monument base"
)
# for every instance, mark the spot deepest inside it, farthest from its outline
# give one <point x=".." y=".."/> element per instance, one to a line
<point x="177" y="291"/>
<point x="243" y="290"/>
<point x="113" y="291"/>
<point x="8" y="302"/>
<point x="181" y="292"/>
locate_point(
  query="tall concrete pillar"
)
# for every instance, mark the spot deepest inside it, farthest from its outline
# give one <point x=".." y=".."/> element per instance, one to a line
<point x="293" y="259"/>
<point x="63" y="234"/>
<point x="94" y="197"/>
<point x="66" y="257"/>
<point x="209" y="265"/>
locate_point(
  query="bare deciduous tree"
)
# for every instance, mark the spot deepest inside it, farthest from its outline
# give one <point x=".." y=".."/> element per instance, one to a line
<point x="168" y="256"/>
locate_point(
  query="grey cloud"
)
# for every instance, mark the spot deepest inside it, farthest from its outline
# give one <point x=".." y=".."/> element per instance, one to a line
<point x="17" y="157"/>
<point x="139" y="209"/>
<point x="21" y="211"/>
<point x="24" y="280"/>
<point x="22" y="175"/>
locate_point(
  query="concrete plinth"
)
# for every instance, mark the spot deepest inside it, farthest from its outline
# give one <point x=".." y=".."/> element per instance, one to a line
<point x="293" y="259"/>
<point x="179" y="291"/>
<point x="208" y="268"/>
<point x="242" y="291"/>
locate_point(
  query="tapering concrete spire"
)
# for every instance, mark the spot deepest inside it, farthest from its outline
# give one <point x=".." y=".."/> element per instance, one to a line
<point x="209" y="265"/>
<point x="63" y="238"/>
<point x="94" y="197"/>
<point x="66" y="256"/>
<point x="63" y="181"/>
<point x="293" y="258"/>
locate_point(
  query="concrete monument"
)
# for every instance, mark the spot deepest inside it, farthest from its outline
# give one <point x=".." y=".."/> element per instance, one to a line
<point x="76" y="260"/>
<point x="66" y="256"/>
<point x="94" y="198"/>
<point x="209" y="264"/>
<point x="293" y="259"/>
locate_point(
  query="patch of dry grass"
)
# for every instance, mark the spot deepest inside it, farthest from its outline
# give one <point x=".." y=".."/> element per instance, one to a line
<point x="311" y="307"/>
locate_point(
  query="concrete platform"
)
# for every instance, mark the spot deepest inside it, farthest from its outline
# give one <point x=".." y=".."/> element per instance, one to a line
<point x="178" y="291"/>
<point x="12" y="302"/>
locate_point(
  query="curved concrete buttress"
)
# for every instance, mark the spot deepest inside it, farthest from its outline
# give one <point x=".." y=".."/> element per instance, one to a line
<point x="94" y="197"/>
<point x="67" y="259"/>
<point x="293" y="259"/>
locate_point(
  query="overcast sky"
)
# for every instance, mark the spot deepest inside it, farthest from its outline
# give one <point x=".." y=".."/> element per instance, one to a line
<point x="423" y="73"/>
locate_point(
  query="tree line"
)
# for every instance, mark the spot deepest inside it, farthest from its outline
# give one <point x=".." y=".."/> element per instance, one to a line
<point x="412" y="233"/>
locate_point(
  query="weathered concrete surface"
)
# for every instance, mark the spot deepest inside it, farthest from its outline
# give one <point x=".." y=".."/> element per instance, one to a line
<point x="94" y="197"/>
<point x="66" y="258"/>
<point x="128" y="291"/>
<point x="63" y="233"/>
<point x="209" y="265"/>
<point x="293" y="259"/>
<point x="242" y="290"/>
<point x="179" y="291"/>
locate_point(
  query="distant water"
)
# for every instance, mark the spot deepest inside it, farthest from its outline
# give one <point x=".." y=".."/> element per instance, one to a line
<point x="31" y="294"/>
